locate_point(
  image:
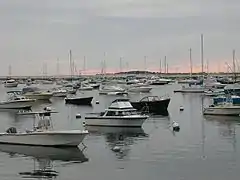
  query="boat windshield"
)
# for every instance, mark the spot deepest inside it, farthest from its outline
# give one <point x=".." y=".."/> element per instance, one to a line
<point x="121" y="113"/>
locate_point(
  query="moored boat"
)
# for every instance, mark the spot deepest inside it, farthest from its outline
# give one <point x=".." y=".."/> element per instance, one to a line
<point x="221" y="99"/>
<point x="16" y="102"/>
<point x="119" y="114"/>
<point x="10" y="83"/>
<point x="43" y="134"/>
<point x="36" y="93"/>
<point x="79" y="100"/>
<point x="153" y="105"/>
<point x="225" y="109"/>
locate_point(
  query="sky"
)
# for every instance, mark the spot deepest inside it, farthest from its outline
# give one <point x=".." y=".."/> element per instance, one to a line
<point x="34" y="34"/>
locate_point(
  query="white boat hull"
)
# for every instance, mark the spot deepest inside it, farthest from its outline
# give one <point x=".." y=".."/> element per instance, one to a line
<point x="39" y="96"/>
<point x="10" y="85"/>
<point x="192" y="90"/>
<point x="47" y="138"/>
<point x="118" y="122"/>
<point x="60" y="94"/>
<point x="222" y="111"/>
<point x="21" y="104"/>
<point x="140" y="89"/>
<point x="86" y="88"/>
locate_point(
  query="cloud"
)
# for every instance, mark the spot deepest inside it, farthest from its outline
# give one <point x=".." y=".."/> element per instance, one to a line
<point x="34" y="32"/>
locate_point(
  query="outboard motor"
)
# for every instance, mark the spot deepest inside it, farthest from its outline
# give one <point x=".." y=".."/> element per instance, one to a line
<point x="11" y="130"/>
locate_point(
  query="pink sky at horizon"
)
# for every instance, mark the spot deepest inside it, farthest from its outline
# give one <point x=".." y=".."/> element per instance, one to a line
<point x="213" y="67"/>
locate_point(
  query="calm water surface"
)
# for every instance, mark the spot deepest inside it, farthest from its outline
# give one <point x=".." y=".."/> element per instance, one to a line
<point x="205" y="148"/>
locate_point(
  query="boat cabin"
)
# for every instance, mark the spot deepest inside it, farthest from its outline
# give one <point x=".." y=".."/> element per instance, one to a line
<point x="120" y="107"/>
<point x="15" y="95"/>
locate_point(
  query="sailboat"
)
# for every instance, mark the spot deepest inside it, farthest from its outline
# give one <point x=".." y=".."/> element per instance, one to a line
<point x="10" y="83"/>
<point x="197" y="89"/>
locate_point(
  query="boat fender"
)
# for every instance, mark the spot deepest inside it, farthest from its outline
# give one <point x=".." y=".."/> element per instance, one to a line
<point x="97" y="102"/>
<point x="175" y="126"/>
<point x="181" y="108"/>
<point x="116" y="149"/>
<point x="78" y="115"/>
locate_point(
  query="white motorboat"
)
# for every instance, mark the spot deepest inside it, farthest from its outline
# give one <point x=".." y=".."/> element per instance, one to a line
<point x="109" y="90"/>
<point x="212" y="83"/>
<point x="43" y="134"/>
<point x="192" y="89"/>
<point x="225" y="109"/>
<point x="119" y="114"/>
<point x="36" y="93"/>
<point x="188" y="81"/>
<point x="47" y="82"/>
<point x="140" y="89"/>
<point x="10" y="83"/>
<point x="85" y="87"/>
<point x="59" y="93"/>
<point x="16" y="101"/>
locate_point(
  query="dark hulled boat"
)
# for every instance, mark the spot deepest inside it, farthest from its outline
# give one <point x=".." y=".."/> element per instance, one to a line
<point x="152" y="105"/>
<point x="79" y="100"/>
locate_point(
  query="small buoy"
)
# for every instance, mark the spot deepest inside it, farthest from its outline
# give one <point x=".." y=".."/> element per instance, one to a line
<point x="181" y="108"/>
<point x="78" y="115"/>
<point x="175" y="126"/>
<point x="116" y="149"/>
<point x="97" y="102"/>
<point x="47" y="109"/>
<point x="84" y="123"/>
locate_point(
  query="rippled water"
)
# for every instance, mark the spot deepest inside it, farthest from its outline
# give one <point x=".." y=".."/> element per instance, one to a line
<point x="205" y="148"/>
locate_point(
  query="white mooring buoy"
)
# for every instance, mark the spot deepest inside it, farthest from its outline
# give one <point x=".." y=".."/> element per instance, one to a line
<point x="116" y="149"/>
<point x="175" y="126"/>
<point x="181" y="108"/>
<point x="78" y="115"/>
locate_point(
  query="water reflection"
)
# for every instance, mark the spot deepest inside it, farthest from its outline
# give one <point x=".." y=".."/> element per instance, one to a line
<point x="226" y="126"/>
<point x="43" y="158"/>
<point x="121" y="137"/>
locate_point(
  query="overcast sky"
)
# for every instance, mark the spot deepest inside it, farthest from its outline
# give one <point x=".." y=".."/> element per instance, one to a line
<point x="36" y="32"/>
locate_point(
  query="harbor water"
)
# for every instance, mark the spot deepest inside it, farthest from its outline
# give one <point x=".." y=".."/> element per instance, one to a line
<point x="204" y="148"/>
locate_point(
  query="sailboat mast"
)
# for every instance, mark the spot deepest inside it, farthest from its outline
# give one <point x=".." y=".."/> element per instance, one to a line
<point x="71" y="64"/>
<point x="234" y="66"/>
<point x="9" y="70"/>
<point x="84" y="64"/>
<point x="160" y="66"/>
<point x="145" y="63"/>
<point x="120" y="64"/>
<point x="202" y="55"/>
<point x="104" y="64"/>
<point x="165" y="64"/>
<point x="190" y="58"/>
<point x="58" y="69"/>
